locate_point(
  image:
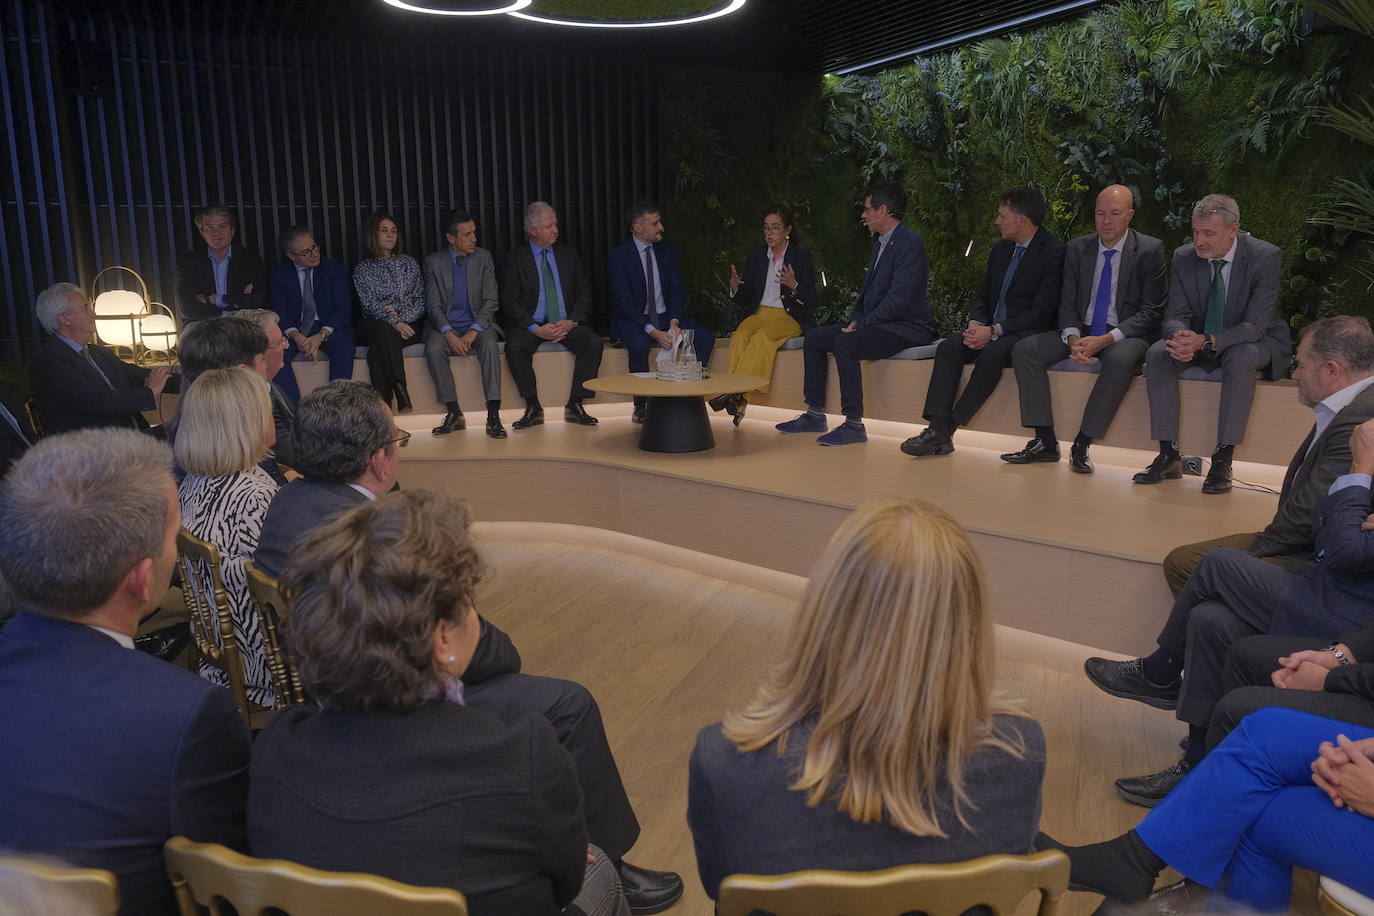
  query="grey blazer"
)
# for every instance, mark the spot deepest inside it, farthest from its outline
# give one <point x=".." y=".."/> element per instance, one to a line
<point x="1139" y="287"/>
<point x="438" y="270"/>
<point x="1252" y="295"/>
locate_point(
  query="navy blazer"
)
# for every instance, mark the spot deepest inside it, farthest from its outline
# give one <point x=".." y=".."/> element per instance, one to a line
<point x="1337" y="593"/>
<point x="626" y="271"/>
<point x="307" y="502"/>
<point x="1252" y="296"/>
<point x="195" y="276"/>
<point x="68" y="394"/>
<point x="894" y="296"/>
<point x="13" y="445"/>
<point x="798" y="303"/>
<point x="333" y="301"/>
<point x="1033" y="297"/>
<point x="522" y="284"/>
<point x="1139" y="285"/>
<point x="109" y="752"/>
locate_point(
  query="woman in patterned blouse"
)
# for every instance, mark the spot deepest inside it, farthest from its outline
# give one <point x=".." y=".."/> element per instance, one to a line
<point x="392" y="292"/>
<point x="224" y="428"/>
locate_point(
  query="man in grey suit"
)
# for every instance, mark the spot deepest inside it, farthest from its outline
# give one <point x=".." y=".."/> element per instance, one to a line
<point x="461" y="302"/>
<point x="1335" y="376"/>
<point x="1113" y="290"/>
<point x="1222" y="313"/>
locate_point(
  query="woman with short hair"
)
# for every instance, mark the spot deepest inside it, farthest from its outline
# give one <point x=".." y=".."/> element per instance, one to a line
<point x="389" y="772"/>
<point x="878" y="740"/>
<point x="224" y="428"/>
<point x="392" y="294"/>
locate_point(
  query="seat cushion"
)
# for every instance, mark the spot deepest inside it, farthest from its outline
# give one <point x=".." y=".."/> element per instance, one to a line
<point x="1068" y="365"/>
<point x="793" y="343"/>
<point x="925" y="352"/>
<point x="415" y="349"/>
<point x="1352" y="900"/>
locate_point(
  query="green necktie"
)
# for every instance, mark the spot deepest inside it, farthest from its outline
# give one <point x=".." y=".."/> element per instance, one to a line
<point x="1216" y="300"/>
<point x="551" y="313"/>
<point x="91" y="360"/>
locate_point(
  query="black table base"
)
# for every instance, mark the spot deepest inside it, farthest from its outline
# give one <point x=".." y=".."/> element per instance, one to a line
<point x="676" y="424"/>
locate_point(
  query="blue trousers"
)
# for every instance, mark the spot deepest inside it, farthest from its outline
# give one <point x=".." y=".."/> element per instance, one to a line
<point x="338" y="349"/>
<point x="1250" y="812"/>
<point x="638" y="344"/>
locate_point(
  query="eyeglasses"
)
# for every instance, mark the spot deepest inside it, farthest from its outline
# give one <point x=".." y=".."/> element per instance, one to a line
<point x="309" y="252"/>
<point x="400" y="441"/>
<point x="280" y="345"/>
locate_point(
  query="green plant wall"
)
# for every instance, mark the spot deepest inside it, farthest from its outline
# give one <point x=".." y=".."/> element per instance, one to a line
<point x="1175" y="98"/>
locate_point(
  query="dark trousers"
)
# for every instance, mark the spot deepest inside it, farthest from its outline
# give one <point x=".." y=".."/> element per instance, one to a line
<point x="950" y="359"/>
<point x="1247" y="686"/>
<point x="1230" y="595"/>
<point x="585" y="345"/>
<point x="338" y="349"/>
<point x="849" y="348"/>
<point x="638" y="344"/>
<point x="1117" y="365"/>
<point x="576" y="719"/>
<point x="385" y="364"/>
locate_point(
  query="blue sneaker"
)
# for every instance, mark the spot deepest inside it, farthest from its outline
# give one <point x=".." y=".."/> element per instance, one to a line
<point x="806" y="423"/>
<point x="844" y="434"/>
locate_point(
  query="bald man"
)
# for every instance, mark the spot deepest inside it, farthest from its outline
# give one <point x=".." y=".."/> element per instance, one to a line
<point x="1111" y="304"/>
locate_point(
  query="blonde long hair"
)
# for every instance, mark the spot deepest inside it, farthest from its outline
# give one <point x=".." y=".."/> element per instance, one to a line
<point x="891" y="652"/>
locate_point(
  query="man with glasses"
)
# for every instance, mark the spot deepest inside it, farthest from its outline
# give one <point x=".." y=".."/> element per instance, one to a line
<point x="1222" y="314"/>
<point x="310" y="295"/>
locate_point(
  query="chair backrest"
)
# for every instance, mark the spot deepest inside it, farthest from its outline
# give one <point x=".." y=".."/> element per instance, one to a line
<point x="210" y="875"/>
<point x="286" y="682"/>
<point x="31" y="411"/>
<point x="997" y="882"/>
<point x="38" y="887"/>
<point x="1335" y="899"/>
<point x="202" y="586"/>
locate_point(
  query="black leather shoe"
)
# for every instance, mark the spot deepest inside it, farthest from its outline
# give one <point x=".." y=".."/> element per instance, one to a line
<point x="403" y="404"/>
<point x="1079" y="462"/>
<point x="1170" y="900"/>
<point x="453" y="420"/>
<point x="533" y="416"/>
<point x="638" y="415"/>
<point x="1162" y="468"/>
<point x="166" y="643"/>
<point x="648" y="891"/>
<point x="494" y="427"/>
<point x="574" y="413"/>
<point x="1148" y="791"/>
<point x="929" y="442"/>
<point x="1127" y="679"/>
<point x="1218" y="478"/>
<point x="1035" y="451"/>
<point x="740" y="406"/>
<point x="720" y="402"/>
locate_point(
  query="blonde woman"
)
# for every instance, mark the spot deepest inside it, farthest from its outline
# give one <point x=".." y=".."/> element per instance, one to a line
<point x="877" y="740"/>
<point x="224" y="429"/>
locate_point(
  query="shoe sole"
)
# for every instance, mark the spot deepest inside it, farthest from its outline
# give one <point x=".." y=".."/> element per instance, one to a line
<point x="1143" y="801"/>
<point x="655" y="908"/>
<point x="1156" y="702"/>
<point x="1010" y="460"/>
<point x="1078" y="470"/>
<point x="1178" y="476"/>
<point x="931" y="454"/>
<point x="1213" y="491"/>
<point x="789" y="432"/>
<point x="850" y="442"/>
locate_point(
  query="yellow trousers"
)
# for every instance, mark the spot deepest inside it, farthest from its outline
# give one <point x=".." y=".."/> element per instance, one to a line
<point x="757" y="339"/>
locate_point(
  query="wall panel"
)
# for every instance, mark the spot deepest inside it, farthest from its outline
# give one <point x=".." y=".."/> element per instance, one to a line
<point x="120" y="120"/>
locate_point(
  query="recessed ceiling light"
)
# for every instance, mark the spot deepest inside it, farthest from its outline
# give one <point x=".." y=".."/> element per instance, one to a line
<point x="508" y="7"/>
<point x="725" y="10"/>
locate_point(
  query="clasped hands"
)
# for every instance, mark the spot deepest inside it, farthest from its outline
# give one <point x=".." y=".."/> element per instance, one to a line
<point x="1083" y="350"/>
<point x="1345" y="773"/>
<point x="555" y="331"/>
<point x="977" y="336"/>
<point x="310" y="346"/>
<point x="460" y="343"/>
<point x="1184" y="345"/>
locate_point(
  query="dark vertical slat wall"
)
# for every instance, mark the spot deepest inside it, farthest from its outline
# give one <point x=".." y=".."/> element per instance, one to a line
<point x="289" y="129"/>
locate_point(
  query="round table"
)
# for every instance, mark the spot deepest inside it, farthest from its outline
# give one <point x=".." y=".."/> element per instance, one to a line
<point x="675" y="418"/>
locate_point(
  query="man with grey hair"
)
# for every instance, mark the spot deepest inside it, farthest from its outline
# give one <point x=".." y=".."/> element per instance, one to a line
<point x="283" y="410"/>
<point x="108" y="752"/>
<point x="546" y="297"/>
<point x="310" y="294"/>
<point x="78" y="384"/>
<point x="1222" y="315"/>
<point x="230" y="278"/>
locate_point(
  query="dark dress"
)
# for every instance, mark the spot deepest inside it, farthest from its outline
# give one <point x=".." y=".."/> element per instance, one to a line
<point x="745" y="819"/>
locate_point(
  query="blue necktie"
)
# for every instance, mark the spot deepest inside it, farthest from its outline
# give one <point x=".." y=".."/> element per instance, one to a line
<point x="1103" y="300"/>
<point x="1000" y="314"/>
<point x="308" y="311"/>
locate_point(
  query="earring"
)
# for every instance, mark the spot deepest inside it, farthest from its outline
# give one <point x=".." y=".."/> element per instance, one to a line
<point x="452" y="659"/>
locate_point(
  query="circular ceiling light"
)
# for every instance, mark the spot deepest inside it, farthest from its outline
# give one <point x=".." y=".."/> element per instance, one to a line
<point x="447" y="7"/>
<point x="702" y="14"/>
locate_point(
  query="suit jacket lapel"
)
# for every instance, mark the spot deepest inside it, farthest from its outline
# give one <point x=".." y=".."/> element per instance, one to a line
<point x="1202" y="279"/>
<point x="1234" y="287"/>
<point x="1300" y="458"/>
<point x="1125" y="271"/>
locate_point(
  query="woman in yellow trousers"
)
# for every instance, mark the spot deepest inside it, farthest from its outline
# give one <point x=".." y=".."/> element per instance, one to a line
<point x="779" y="282"/>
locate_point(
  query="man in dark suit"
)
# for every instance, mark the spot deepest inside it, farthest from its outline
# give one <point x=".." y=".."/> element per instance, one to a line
<point x="78" y="384"/>
<point x="1019" y="298"/>
<point x="1113" y="289"/>
<point x="461" y="303"/>
<point x="346" y="446"/>
<point x="108" y="752"/>
<point x="17" y="435"/>
<point x="546" y="297"/>
<point x="891" y="314"/>
<point x="1233" y="595"/>
<point x="1223" y="299"/>
<point x="310" y="295"/>
<point x="224" y="276"/>
<point x="1334" y="374"/>
<point x="649" y="295"/>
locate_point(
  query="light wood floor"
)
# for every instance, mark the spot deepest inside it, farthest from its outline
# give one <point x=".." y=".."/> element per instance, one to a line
<point x="666" y="649"/>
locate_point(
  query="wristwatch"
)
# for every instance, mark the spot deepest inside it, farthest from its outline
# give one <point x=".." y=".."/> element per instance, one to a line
<point x="1341" y="657"/>
<point x="324" y="333"/>
<point x="1209" y="345"/>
